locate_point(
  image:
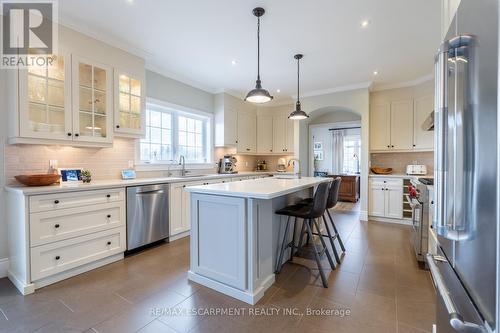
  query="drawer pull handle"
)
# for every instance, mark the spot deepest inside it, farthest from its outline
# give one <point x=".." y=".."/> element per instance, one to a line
<point x="56" y="201"/>
<point x="109" y="216"/>
<point x="108" y="195"/>
<point x="109" y="243"/>
<point x="57" y="226"/>
<point x="58" y="257"/>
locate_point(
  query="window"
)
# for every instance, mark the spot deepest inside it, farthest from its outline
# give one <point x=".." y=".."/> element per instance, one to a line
<point x="352" y="151"/>
<point x="171" y="133"/>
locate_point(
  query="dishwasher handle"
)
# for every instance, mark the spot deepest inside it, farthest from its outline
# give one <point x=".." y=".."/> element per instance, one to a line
<point x="151" y="192"/>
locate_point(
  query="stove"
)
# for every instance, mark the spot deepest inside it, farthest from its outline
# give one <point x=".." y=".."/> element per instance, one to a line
<point x="426" y="181"/>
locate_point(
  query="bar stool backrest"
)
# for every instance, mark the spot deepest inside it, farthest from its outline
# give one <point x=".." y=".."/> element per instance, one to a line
<point x="333" y="196"/>
<point x="320" y="200"/>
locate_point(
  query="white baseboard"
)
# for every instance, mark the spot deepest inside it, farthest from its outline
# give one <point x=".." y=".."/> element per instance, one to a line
<point x="179" y="236"/>
<point x="363" y="215"/>
<point x="4" y="267"/>
<point x="389" y="220"/>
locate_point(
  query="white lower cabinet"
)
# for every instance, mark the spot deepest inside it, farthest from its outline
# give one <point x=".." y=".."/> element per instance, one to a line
<point x="180" y="218"/>
<point x="386" y="198"/>
<point x="55" y="236"/>
<point x="53" y="258"/>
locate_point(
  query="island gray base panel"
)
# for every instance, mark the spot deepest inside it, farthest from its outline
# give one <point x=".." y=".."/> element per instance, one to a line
<point x="234" y="242"/>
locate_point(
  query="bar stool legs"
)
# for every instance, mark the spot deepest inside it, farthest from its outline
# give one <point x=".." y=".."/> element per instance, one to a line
<point x="330" y="237"/>
<point x="284" y="245"/>
<point x="337" y="235"/>
<point x="316" y="254"/>
<point x="325" y="249"/>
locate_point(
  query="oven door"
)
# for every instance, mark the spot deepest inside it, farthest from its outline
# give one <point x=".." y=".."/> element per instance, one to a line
<point x="416" y="233"/>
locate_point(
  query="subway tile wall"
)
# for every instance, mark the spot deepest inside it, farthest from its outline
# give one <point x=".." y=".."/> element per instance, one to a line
<point x="399" y="161"/>
<point x="104" y="163"/>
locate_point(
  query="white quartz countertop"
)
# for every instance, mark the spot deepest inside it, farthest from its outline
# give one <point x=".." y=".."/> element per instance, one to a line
<point x="117" y="183"/>
<point x="400" y="175"/>
<point x="264" y="188"/>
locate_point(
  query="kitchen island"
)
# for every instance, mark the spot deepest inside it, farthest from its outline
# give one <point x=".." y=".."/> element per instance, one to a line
<point x="235" y="233"/>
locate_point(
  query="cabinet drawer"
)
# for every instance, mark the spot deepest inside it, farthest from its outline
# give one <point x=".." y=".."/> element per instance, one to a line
<point x="53" y="258"/>
<point x="42" y="203"/>
<point x="51" y="226"/>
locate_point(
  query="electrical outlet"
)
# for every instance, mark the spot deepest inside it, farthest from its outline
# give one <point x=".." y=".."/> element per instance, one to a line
<point x="53" y="164"/>
<point x="130" y="164"/>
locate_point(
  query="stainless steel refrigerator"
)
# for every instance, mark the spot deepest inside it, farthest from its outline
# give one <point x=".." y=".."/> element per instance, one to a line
<point x="465" y="219"/>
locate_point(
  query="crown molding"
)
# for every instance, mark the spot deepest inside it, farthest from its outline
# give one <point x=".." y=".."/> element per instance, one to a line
<point x="405" y="84"/>
<point x="356" y="86"/>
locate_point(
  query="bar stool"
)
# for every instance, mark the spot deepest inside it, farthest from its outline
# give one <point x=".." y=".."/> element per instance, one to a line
<point x="333" y="198"/>
<point x="309" y="214"/>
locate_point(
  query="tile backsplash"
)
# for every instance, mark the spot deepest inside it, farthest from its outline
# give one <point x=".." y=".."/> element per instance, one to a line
<point x="399" y="161"/>
<point x="104" y="163"/>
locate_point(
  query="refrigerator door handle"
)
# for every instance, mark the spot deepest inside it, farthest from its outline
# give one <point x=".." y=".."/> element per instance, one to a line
<point x="456" y="319"/>
<point x="440" y="138"/>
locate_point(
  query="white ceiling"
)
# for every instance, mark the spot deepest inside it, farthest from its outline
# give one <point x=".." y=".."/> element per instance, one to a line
<point x="195" y="41"/>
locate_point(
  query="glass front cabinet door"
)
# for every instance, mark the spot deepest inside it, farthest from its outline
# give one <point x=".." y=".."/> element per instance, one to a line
<point x="45" y="99"/>
<point x="129" y="104"/>
<point x="92" y="101"/>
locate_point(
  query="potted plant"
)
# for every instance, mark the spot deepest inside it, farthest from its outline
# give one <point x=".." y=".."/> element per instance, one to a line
<point x="86" y="176"/>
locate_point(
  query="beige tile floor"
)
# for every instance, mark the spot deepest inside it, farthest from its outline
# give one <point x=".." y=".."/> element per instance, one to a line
<point x="377" y="288"/>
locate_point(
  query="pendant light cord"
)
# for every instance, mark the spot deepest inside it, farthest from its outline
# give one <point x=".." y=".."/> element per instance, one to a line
<point x="258" y="48"/>
<point x="298" y="80"/>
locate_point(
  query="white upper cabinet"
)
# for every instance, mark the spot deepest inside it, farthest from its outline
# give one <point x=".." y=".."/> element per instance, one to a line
<point x="402" y="125"/>
<point x="226" y="121"/>
<point x="423" y="107"/>
<point x="283" y="133"/>
<point x="380" y="126"/>
<point x="247" y="132"/>
<point x="264" y="134"/>
<point x="397" y="125"/>
<point x="92" y="101"/>
<point x="45" y="100"/>
<point x="129" y="105"/>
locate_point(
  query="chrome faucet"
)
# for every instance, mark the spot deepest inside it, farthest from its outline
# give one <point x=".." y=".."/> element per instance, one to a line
<point x="296" y="166"/>
<point x="182" y="161"/>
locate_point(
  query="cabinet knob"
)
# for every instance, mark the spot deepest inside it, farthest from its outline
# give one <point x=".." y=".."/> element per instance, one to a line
<point x="58" y="257"/>
<point x="77" y="135"/>
<point x="69" y="134"/>
<point x="236" y="141"/>
<point x="117" y="126"/>
<point x="248" y="149"/>
<point x="388" y="146"/>
<point x="392" y="146"/>
<point x="56" y="201"/>
<point x="57" y="226"/>
<point x="432" y="202"/>
<point x="414" y="145"/>
<point x="109" y="243"/>
<point x="109" y="216"/>
<point x="108" y="195"/>
<point x="271" y="150"/>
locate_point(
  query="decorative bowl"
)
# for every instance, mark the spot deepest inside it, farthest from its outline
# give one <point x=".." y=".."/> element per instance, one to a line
<point x="381" y="171"/>
<point x="38" y="180"/>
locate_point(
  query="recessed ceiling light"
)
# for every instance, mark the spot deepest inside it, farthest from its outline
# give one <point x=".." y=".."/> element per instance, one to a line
<point x="375" y="72"/>
<point x="234" y="62"/>
<point x="365" y="23"/>
<point x="278" y="90"/>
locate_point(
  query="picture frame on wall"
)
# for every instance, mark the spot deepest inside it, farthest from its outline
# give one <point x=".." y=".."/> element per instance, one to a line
<point x="318" y="155"/>
<point x="318" y="145"/>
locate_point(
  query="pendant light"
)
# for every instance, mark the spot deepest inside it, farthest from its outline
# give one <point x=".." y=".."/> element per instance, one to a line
<point x="258" y="95"/>
<point x="298" y="114"/>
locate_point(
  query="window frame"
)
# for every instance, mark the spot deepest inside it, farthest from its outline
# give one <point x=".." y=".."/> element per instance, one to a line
<point x="178" y="110"/>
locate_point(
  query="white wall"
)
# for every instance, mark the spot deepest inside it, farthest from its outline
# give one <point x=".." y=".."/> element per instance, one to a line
<point x="172" y="91"/>
<point x="356" y="101"/>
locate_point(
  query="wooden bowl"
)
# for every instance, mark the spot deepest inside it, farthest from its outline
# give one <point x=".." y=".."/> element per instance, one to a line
<point x="38" y="180"/>
<point x="381" y="171"/>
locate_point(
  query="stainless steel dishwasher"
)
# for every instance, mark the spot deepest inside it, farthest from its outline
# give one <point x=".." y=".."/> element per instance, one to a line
<point x="147" y="215"/>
